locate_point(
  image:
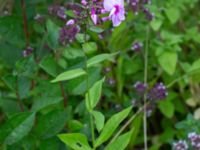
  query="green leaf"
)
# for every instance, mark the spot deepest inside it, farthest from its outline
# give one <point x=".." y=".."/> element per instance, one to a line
<point x="79" y="85"/>
<point x="120" y="143"/>
<point x="10" y="81"/>
<point x="94" y="94"/>
<point x="135" y="126"/>
<point x="16" y="128"/>
<point x="81" y="37"/>
<point x="48" y="64"/>
<point x="99" y="120"/>
<point x="24" y="85"/>
<point x="168" y="61"/>
<point x="72" y="53"/>
<point x="96" y="29"/>
<point x="76" y="141"/>
<point x="9" y="106"/>
<point x="44" y="101"/>
<point x="111" y="125"/>
<point x="167" y="108"/>
<point x="99" y="58"/>
<point x="89" y="47"/>
<point x="53" y="34"/>
<point x="51" y="123"/>
<point x="50" y="144"/>
<point x="74" y="125"/>
<point x="70" y="13"/>
<point x="68" y="75"/>
<point x="195" y="67"/>
<point x="156" y="24"/>
<point x="173" y="14"/>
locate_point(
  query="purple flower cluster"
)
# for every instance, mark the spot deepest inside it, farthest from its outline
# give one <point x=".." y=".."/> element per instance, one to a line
<point x="140" y="88"/>
<point x="158" y="92"/>
<point x="28" y="51"/>
<point x="138" y="5"/>
<point x="137" y="46"/>
<point x="68" y="33"/>
<point x="194" y="139"/>
<point x="193" y="142"/>
<point x="180" y="145"/>
<point x="58" y="11"/>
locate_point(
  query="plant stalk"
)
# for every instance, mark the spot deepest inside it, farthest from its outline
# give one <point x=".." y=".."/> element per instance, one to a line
<point x="25" y="22"/>
<point x="145" y="82"/>
<point x="87" y="85"/>
<point x="127" y="123"/>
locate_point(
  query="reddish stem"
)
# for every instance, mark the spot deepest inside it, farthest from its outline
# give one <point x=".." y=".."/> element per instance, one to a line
<point x="25" y="22"/>
<point x="63" y="94"/>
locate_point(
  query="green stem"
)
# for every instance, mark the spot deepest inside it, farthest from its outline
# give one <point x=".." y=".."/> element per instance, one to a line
<point x="145" y="82"/>
<point x="127" y="123"/>
<point x="87" y="85"/>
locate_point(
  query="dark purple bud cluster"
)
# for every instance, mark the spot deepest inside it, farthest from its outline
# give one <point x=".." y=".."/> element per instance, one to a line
<point x="28" y="51"/>
<point x="194" y="139"/>
<point x="137" y="46"/>
<point x="138" y="5"/>
<point x="149" y="109"/>
<point x="180" y="145"/>
<point x="68" y="34"/>
<point x="58" y="11"/>
<point x="140" y="88"/>
<point x="111" y="81"/>
<point x="158" y="92"/>
<point x="149" y="15"/>
<point x="77" y="9"/>
<point x="134" y="4"/>
<point x="107" y="70"/>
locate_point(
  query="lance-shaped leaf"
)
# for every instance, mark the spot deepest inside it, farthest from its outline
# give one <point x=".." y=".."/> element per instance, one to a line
<point x="99" y="58"/>
<point x="51" y="123"/>
<point x="120" y="143"/>
<point x="68" y="75"/>
<point x="76" y="141"/>
<point x="16" y="128"/>
<point x="99" y="120"/>
<point x="43" y="102"/>
<point x="94" y="94"/>
<point x="111" y="125"/>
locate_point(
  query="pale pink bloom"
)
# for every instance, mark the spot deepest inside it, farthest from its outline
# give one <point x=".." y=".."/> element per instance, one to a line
<point x="94" y="16"/>
<point x="84" y="2"/>
<point x="70" y="22"/>
<point x="116" y="9"/>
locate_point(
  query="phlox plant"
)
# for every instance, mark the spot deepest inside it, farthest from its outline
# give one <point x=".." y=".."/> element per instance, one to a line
<point x="111" y="10"/>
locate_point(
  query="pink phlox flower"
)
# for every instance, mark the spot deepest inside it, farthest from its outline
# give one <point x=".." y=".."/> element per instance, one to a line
<point x="84" y="2"/>
<point x="116" y="9"/>
<point x="70" y="22"/>
<point x="94" y="16"/>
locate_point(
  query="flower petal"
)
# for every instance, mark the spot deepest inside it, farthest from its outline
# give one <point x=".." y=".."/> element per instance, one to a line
<point x="120" y="2"/>
<point x="116" y="21"/>
<point x="109" y="4"/>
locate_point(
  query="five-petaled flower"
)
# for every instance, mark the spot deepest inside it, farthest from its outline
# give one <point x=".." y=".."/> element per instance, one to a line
<point x="116" y="9"/>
